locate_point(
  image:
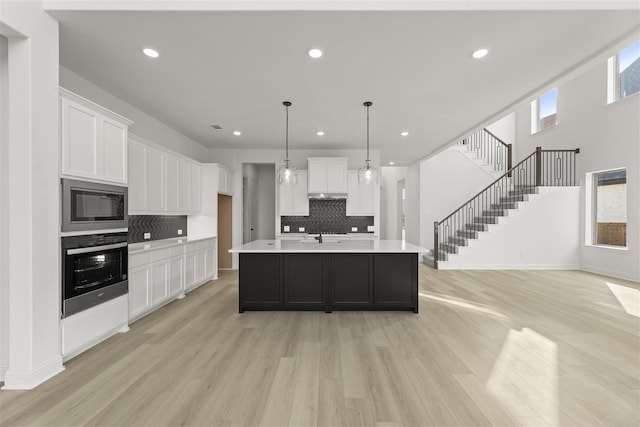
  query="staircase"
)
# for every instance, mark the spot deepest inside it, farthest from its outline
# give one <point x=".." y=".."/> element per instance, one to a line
<point x="496" y="201"/>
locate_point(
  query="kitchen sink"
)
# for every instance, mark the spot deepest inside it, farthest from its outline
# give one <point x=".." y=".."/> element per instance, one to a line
<point x="316" y="242"/>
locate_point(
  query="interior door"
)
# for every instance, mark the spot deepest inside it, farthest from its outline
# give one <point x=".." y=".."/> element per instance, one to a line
<point x="224" y="231"/>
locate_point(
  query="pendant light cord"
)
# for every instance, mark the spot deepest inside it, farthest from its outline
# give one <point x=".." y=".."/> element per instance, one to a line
<point x="287" y="104"/>
<point x="368" y="159"/>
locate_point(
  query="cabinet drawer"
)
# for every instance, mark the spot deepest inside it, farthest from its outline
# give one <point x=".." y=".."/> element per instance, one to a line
<point x="160" y="254"/>
<point x="177" y="250"/>
<point x="205" y="244"/>
<point x="137" y="260"/>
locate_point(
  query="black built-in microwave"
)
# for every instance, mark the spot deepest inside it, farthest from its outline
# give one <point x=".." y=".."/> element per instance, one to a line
<point x="88" y="206"/>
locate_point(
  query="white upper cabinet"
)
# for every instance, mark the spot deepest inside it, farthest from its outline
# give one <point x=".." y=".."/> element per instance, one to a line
<point x="361" y="198"/>
<point x="225" y="181"/>
<point x="293" y="199"/>
<point x="327" y="175"/>
<point x="161" y="182"/>
<point x="94" y="140"/>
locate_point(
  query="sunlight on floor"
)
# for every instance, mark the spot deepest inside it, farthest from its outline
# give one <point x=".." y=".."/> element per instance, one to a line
<point x="463" y="303"/>
<point x="628" y="298"/>
<point x="525" y="376"/>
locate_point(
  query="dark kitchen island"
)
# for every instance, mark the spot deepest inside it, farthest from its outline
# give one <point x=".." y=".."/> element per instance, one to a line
<point x="344" y="275"/>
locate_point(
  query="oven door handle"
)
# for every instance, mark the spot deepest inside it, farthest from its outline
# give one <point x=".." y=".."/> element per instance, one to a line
<point x="95" y="248"/>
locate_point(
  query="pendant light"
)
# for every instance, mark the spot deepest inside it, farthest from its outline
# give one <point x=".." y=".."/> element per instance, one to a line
<point x="287" y="174"/>
<point x="367" y="174"/>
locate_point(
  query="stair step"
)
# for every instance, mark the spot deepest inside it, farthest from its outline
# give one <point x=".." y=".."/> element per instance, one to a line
<point x="504" y="205"/>
<point x="476" y="227"/>
<point x="460" y="241"/>
<point x="485" y="220"/>
<point x="448" y="248"/>
<point x="494" y="213"/>
<point x="512" y="199"/>
<point x="468" y="234"/>
<point x="522" y="190"/>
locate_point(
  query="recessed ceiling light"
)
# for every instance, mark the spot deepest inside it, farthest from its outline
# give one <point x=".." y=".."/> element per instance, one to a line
<point x="315" y="53"/>
<point x="480" y="53"/>
<point x="320" y="133"/>
<point x="237" y="133"/>
<point x="404" y="133"/>
<point x="151" y="53"/>
<point x="392" y="163"/>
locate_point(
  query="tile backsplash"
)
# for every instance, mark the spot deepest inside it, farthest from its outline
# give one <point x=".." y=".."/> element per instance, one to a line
<point x="326" y="215"/>
<point x="160" y="227"/>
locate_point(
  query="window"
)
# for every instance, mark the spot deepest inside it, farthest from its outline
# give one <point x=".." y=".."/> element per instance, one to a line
<point x="544" y="111"/>
<point x="610" y="208"/>
<point x="624" y="73"/>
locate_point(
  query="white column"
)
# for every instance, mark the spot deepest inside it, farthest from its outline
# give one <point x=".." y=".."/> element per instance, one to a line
<point x="31" y="214"/>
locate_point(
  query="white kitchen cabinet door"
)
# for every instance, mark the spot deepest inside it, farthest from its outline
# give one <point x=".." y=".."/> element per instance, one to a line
<point x="155" y="180"/>
<point x="336" y="175"/>
<point x="159" y="282"/>
<point x="113" y="167"/>
<point x="184" y="185"/>
<point x="194" y="188"/>
<point x="139" y="291"/>
<point x="225" y="181"/>
<point x="293" y="199"/>
<point x="79" y="139"/>
<point x="94" y="140"/>
<point x="317" y="179"/>
<point x="176" y="275"/>
<point x="137" y="176"/>
<point x="171" y="184"/>
<point x="189" y="270"/>
<point x="211" y="260"/>
<point x="201" y="266"/>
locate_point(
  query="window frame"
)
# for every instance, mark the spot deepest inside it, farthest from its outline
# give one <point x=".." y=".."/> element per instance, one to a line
<point x="536" y="119"/>
<point x="592" y="220"/>
<point x="613" y="76"/>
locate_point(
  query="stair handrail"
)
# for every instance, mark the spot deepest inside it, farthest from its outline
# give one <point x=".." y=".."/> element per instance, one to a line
<point x="489" y="148"/>
<point x="537" y="159"/>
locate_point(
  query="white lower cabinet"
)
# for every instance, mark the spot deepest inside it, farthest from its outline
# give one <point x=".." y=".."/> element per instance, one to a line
<point x="159" y="276"/>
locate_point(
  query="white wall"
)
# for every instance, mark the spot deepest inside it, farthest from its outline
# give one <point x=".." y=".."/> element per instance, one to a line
<point x="446" y="182"/>
<point x="505" y="128"/>
<point x="389" y="201"/>
<point x="413" y="223"/>
<point x="4" y="222"/>
<point x="144" y="125"/>
<point x="540" y="234"/>
<point x="608" y="137"/>
<point x="34" y="257"/>
<point x="266" y="201"/>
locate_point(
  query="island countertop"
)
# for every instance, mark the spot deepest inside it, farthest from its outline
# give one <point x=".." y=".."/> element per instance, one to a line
<point x="345" y="246"/>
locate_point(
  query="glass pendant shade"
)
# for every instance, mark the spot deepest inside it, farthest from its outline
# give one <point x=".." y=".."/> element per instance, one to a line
<point x="287" y="174"/>
<point x="367" y="174"/>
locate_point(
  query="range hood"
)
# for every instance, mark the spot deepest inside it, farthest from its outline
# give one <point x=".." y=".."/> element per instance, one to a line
<point x="323" y="196"/>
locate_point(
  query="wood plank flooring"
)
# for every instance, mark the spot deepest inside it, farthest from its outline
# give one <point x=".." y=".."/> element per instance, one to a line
<point x="500" y="348"/>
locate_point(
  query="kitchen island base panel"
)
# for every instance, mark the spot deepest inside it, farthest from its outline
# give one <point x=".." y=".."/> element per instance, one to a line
<point x="328" y="281"/>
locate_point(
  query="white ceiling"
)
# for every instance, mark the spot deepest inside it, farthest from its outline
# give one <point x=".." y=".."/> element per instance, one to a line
<point x="234" y="69"/>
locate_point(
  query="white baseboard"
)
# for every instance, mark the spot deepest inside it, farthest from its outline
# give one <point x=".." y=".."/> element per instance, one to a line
<point x="513" y="267"/>
<point x="97" y="340"/>
<point x="607" y="272"/>
<point x="31" y="379"/>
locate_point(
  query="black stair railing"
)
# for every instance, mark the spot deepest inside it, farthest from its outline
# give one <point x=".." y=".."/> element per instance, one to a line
<point x="486" y="145"/>
<point x="541" y="168"/>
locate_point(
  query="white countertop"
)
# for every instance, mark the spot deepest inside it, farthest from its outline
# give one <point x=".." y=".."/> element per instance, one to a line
<point x="135" y="248"/>
<point x="346" y="246"/>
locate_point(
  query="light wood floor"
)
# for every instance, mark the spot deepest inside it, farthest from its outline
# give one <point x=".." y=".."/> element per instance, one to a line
<point x="487" y="348"/>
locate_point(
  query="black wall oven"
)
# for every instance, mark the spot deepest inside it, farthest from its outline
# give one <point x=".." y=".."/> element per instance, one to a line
<point x="94" y="270"/>
<point x="90" y="206"/>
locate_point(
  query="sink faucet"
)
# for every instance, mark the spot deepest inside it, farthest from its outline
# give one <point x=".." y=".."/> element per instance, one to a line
<point x="319" y="236"/>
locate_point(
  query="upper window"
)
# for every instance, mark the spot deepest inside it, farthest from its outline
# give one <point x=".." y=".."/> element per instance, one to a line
<point x="544" y="111"/>
<point x="624" y="73"/>
<point x="610" y="208"/>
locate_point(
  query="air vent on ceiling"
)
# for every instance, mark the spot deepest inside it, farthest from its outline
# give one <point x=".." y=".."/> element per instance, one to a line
<point x="216" y="127"/>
